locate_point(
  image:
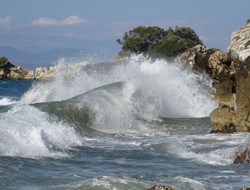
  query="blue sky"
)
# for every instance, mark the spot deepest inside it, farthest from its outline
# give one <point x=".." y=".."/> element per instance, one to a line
<point x="33" y="25"/>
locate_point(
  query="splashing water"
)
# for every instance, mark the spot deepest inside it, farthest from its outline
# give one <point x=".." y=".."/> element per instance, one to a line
<point x="169" y="89"/>
<point x="116" y="125"/>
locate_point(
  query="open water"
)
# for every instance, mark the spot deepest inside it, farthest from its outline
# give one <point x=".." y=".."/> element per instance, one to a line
<point x="115" y="126"/>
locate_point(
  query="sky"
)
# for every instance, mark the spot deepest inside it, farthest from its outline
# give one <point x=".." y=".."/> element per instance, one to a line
<point x="36" y="25"/>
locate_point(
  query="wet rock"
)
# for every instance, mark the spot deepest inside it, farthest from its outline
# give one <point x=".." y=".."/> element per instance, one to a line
<point x="214" y="62"/>
<point x="223" y="121"/>
<point x="197" y="58"/>
<point x="43" y="72"/>
<point x="160" y="187"/>
<point x="218" y="65"/>
<point x="233" y="86"/>
<point x="243" y="154"/>
<point x="224" y="93"/>
<point x="230" y="73"/>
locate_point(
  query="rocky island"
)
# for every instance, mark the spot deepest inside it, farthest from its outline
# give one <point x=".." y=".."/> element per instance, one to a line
<point x="10" y="71"/>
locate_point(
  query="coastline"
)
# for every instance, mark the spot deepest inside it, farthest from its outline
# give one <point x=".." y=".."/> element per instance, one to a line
<point x="230" y="73"/>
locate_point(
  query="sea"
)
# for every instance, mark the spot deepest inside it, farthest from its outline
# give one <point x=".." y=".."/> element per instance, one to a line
<point x="121" y="125"/>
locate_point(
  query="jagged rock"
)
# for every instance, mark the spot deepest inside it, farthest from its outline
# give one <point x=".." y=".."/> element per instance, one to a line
<point x="243" y="153"/>
<point x="43" y="72"/>
<point x="2" y="74"/>
<point x="216" y="60"/>
<point x="224" y="93"/>
<point x="12" y="72"/>
<point x="189" y="56"/>
<point x="218" y="63"/>
<point x="225" y="120"/>
<point x="234" y="112"/>
<point x="212" y="61"/>
<point x="240" y="43"/>
<point x="17" y="73"/>
<point x="197" y="57"/>
<point x="222" y="120"/>
<point x="160" y="187"/>
<point x="246" y="188"/>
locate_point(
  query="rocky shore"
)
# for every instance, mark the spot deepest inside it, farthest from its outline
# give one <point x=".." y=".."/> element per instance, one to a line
<point x="230" y="73"/>
<point x="12" y="72"/>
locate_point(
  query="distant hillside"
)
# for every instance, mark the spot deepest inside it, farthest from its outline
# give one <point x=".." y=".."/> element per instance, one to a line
<point x="32" y="60"/>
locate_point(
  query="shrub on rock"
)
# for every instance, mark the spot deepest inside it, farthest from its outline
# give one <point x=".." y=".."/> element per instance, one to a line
<point x="154" y="40"/>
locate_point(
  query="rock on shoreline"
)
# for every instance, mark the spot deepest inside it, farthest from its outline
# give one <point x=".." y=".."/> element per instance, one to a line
<point x="230" y="73"/>
<point x="160" y="187"/>
<point x="237" y="117"/>
<point x="12" y="72"/>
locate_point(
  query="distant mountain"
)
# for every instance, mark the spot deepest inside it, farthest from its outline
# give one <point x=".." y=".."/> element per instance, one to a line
<point x="41" y="59"/>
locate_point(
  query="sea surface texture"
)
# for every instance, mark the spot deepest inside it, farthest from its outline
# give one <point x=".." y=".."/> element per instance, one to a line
<point x="115" y="126"/>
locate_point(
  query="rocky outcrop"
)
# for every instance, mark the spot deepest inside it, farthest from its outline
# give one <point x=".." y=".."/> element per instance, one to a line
<point x="230" y="73"/>
<point x="43" y="73"/>
<point x="236" y="117"/>
<point x="197" y="58"/>
<point x="12" y="72"/>
<point x="239" y="48"/>
<point x="243" y="153"/>
<point x="160" y="187"/>
<point x="213" y="62"/>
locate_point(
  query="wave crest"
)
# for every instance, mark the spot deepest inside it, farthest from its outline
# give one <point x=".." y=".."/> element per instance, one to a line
<point x="119" y="97"/>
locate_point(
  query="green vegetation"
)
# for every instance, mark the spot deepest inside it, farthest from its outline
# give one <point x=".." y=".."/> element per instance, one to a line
<point x="154" y="40"/>
<point x="3" y="61"/>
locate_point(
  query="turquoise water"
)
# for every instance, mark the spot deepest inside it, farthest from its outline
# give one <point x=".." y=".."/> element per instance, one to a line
<point x="117" y="127"/>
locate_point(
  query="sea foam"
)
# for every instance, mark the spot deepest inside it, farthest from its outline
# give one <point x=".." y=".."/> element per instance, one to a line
<point x="168" y="89"/>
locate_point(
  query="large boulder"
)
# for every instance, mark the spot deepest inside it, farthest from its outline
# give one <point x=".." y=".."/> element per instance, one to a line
<point x="43" y="73"/>
<point x="160" y="187"/>
<point x="224" y="93"/>
<point x="243" y="153"/>
<point x="211" y="61"/>
<point x="197" y="58"/>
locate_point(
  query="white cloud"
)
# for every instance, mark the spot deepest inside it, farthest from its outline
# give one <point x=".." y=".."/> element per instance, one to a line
<point x="5" y="21"/>
<point x="42" y="21"/>
<point x="71" y="20"/>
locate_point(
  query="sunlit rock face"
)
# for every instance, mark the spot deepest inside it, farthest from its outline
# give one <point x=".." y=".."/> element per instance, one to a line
<point x="240" y="43"/>
<point x="234" y="114"/>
